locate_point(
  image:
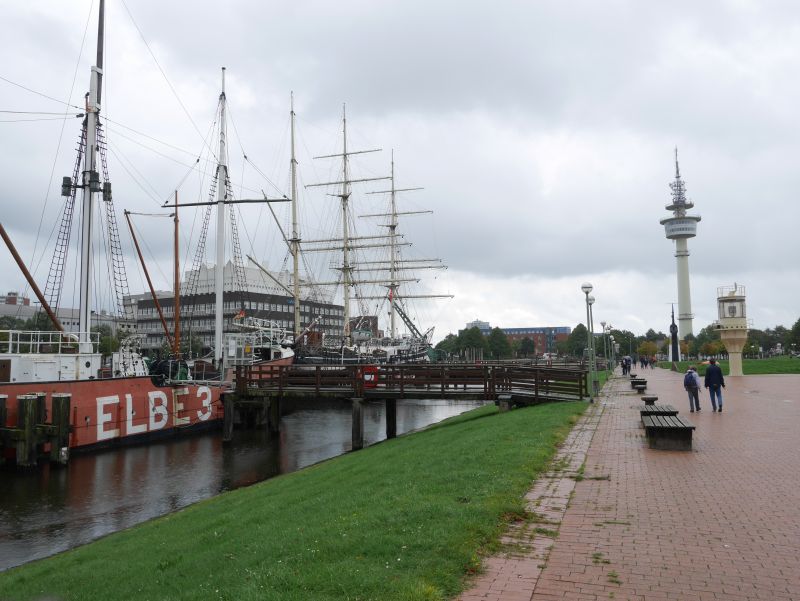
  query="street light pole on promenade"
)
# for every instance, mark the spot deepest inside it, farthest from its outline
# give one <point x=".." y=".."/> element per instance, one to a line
<point x="587" y="288"/>
<point x="595" y="380"/>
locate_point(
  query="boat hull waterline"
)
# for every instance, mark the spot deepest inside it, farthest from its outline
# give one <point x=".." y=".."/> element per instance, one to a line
<point x="114" y="411"/>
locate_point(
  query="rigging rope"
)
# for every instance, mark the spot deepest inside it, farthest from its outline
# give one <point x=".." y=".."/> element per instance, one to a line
<point x="169" y="83"/>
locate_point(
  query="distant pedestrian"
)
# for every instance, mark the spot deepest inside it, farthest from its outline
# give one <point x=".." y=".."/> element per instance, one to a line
<point x="715" y="383"/>
<point x="691" y="383"/>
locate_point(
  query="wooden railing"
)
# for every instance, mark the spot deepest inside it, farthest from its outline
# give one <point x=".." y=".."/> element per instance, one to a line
<point x="442" y="380"/>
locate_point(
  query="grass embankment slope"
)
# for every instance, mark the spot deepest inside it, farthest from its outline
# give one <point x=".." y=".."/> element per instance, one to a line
<point x="406" y="519"/>
<point x="750" y="367"/>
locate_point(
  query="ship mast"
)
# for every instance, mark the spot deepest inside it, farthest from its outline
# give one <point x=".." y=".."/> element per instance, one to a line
<point x="394" y="262"/>
<point x="177" y="284"/>
<point x="345" y="197"/>
<point x="90" y="184"/>
<point x="346" y="240"/>
<point x="393" y="256"/>
<point x="222" y="191"/>
<point x="295" y="240"/>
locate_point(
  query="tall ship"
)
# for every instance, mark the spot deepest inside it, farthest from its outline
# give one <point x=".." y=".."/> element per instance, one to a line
<point x="370" y="266"/>
<point x="122" y="404"/>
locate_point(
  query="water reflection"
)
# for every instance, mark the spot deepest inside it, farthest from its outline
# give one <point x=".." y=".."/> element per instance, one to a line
<point x="46" y="511"/>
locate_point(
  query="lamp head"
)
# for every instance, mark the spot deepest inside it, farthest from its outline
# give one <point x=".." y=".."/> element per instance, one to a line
<point x="603" y="324"/>
<point x="586" y="287"/>
<point x="590" y="300"/>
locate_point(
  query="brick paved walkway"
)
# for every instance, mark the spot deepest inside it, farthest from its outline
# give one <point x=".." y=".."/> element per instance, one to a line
<point x="721" y="522"/>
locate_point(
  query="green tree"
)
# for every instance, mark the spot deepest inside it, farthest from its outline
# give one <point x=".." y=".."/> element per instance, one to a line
<point x="648" y="348"/>
<point x="758" y="340"/>
<point x="40" y="321"/>
<point x="751" y="348"/>
<point x="793" y="339"/>
<point x="7" y="322"/>
<point x="626" y="339"/>
<point x="108" y="342"/>
<point x="652" y="336"/>
<point x="473" y="339"/>
<point x="577" y="341"/>
<point x="449" y="344"/>
<point x="527" y="347"/>
<point x="708" y="334"/>
<point x="499" y="347"/>
<point x="775" y="336"/>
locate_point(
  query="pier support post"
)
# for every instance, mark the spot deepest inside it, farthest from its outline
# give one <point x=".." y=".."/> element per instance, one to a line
<point x="274" y="416"/>
<point x="358" y="424"/>
<point x="504" y="402"/>
<point x="227" y="417"/>
<point x="391" y="418"/>
<point x="59" y="438"/>
<point x="26" y="424"/>
<point x="3" y="418"/>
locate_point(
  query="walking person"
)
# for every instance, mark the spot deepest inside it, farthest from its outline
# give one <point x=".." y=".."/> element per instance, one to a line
<point x="691" y="383"/>
<point x="715" y="383"/>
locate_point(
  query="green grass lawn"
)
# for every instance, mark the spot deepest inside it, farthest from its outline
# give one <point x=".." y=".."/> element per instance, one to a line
<point x="407" y="519"/>
<point x="772" y="365"/>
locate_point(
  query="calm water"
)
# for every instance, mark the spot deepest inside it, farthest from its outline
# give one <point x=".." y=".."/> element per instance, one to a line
<point x="46" y="511"/>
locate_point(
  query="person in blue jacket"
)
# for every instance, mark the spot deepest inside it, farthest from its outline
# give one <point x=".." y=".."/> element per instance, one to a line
<point x="715" y="383"/>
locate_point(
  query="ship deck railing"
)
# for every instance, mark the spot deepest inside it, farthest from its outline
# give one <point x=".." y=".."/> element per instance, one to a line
<point x="35" y="342"/>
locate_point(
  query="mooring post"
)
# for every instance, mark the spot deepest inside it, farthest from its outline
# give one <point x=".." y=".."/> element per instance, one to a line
<point x="391" y="418"/>
<point x="59" y="440"/>
<point x="26" y="425"/>
<point x="358" y="424"/>
<point x="3" y="417"/>
<point x="40" y="419"/>
<point x="227" y="417"/>
<point x="41" y="407"/>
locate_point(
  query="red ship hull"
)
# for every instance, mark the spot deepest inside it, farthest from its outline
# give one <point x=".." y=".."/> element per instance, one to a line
<point x="108" y="412"/>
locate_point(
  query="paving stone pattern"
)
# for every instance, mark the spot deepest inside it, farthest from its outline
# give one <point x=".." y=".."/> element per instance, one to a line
<point x="720" y="522"/>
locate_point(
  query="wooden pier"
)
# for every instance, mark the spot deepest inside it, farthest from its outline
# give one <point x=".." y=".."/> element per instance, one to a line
<point x="33" y="436"/>
<point x="261" y="388"/>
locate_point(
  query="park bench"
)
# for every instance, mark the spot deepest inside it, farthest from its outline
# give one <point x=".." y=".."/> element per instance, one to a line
<point x="649" y="399"/>
<point x="668" y="432"/>
<point x="658" y="410"/>
<point x="640" y="388"/>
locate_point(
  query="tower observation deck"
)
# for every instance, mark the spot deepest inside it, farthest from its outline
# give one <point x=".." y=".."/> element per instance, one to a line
<point x="680" y="227"/>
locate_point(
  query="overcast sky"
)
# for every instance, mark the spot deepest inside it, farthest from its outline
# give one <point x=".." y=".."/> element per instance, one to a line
<point x="543" y="134"/>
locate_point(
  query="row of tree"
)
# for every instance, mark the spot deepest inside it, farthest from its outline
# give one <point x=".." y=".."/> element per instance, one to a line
<point x="706" y="342"/>
<point x="472" y="342"/>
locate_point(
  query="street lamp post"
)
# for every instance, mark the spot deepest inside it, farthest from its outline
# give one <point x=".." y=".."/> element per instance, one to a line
<point x="586" y="287"/>
<point x="613" y="350"/>
<point x="605" y="346"/>
<point x="595" y="381"/>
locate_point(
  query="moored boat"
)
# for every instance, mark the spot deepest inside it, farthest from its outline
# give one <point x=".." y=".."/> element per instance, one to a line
<point x="126" y="407"/>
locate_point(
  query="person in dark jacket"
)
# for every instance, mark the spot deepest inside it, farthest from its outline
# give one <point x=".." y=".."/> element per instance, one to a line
<point x="715" y="383"/>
